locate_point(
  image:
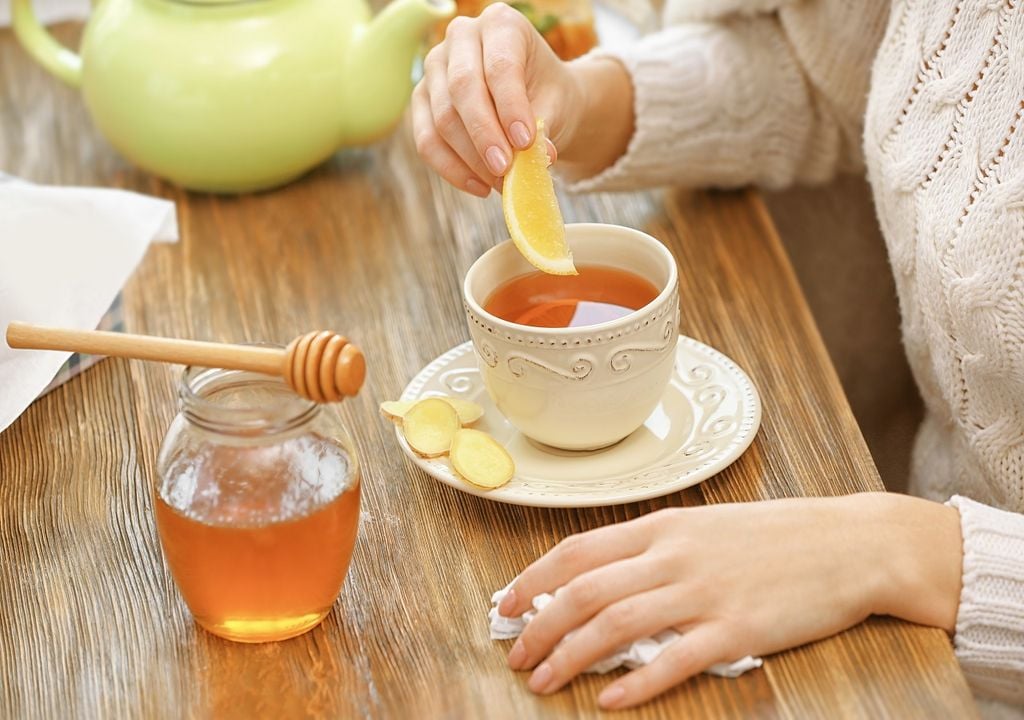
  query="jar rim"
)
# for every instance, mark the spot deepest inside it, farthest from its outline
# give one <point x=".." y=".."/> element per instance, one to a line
<point x="198" y="384"/>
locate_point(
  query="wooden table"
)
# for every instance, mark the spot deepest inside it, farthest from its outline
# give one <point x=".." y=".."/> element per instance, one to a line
<point x="375" y="246"/>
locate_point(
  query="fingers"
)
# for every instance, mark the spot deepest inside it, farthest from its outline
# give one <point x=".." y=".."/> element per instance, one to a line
<point x="619" y="624"/>
<point x="506" y="39"/>
<point x="438" y="154"/>
<point x="573" y="556"/>
<point x="468" y="110"/>
<point x="449" y="127"/>
<point x="579" y="601"/>
<point x="694" y="652"/>
<point x="476" y="94"/>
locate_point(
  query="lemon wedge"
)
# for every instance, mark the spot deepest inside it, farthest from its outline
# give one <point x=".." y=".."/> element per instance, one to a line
<point x="531" y="210"/>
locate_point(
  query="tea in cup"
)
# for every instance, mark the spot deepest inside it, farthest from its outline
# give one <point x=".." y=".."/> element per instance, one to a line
<point x="576" y="362"/>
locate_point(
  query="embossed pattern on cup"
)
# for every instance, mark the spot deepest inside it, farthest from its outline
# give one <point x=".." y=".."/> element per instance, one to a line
<point x="586" y="387"/>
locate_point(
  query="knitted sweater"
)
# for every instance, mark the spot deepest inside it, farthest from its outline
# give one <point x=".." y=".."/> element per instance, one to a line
<point x="734" y="92"/>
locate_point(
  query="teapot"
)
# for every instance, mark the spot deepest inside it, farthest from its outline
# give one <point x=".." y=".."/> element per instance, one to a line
<point x="238" y="95"/>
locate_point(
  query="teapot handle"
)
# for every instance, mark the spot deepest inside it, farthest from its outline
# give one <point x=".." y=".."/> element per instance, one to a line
<point x="42" y="46"/>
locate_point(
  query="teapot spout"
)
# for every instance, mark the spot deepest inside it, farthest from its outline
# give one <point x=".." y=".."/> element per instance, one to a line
<point x="379" y="78"/>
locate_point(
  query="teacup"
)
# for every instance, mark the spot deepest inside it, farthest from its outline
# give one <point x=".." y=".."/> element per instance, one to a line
<point x="578" y="388"/>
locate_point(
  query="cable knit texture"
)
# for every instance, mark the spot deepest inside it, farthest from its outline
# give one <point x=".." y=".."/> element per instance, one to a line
<point x="990" y="624"/>
<point x="734" y="92"/>
<point x="742" y="97"/>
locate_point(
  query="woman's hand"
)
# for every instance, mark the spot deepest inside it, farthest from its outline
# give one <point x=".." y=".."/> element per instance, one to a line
<point x="737" y="579"/>
<point x="484" y="87"/>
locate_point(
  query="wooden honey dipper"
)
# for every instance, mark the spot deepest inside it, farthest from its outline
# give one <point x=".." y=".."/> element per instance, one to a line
<point x="321" y="366"/>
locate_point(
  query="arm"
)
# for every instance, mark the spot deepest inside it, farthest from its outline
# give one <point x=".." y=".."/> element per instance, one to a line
<point x="721" y="103"/>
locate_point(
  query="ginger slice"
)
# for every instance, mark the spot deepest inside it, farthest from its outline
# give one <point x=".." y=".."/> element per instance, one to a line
<point x="480" y="459"/>
<point x="429" y="426"/>
<point x="468" y="411"/>
<point x="395" y="410"/>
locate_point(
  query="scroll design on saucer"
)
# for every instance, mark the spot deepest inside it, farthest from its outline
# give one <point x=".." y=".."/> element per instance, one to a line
<point x="622" y="360"/>
<point x="460" y="382"/>
<point x="710" y="424"/>
<point x="696" y="375"/>
<point x="579" y="370"/>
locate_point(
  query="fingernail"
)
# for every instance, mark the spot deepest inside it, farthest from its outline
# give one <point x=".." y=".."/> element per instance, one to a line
<point x="517" y="657"/>
<point x="552" y="151"/>
<point x="477" y="188"/>
<point x="540" y="678"/>
<point x="611" y="696"/>
<point x="520" y="134"/>
<point x="507" y="604"/>
<point x="496" y="160"/>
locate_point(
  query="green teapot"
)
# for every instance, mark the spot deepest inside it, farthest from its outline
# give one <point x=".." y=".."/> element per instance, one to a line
<point x="238" y="95"/>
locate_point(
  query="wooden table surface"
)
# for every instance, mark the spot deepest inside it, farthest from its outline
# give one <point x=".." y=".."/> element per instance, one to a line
<point x="373" y="245"/>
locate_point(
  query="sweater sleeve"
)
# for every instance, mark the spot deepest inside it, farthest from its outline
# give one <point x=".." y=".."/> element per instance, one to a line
<point x="990" y="622"/>
<point x="727" y="103"/>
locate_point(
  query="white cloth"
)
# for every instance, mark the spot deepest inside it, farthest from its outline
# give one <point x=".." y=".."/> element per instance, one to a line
<point x="49" y="11"/>
<point x="631" y="656"/>
<point x="774" y="92"/>
<point x="66" y="253"/>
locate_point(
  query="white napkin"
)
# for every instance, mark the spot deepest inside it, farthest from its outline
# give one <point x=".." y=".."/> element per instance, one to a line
<point x="632" y="656"/>
<point x="65" y="253"/>
<point x="49" y="11"/>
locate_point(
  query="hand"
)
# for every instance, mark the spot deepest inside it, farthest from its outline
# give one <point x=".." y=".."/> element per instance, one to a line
<point x="737" y="579"/>
<point x="484" y="87"/>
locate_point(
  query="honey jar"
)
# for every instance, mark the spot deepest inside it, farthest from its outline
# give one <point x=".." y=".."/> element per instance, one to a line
<point x="257" y="504"/>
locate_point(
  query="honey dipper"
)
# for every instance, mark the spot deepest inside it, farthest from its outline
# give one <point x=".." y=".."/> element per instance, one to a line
<point x="321" y="366"/>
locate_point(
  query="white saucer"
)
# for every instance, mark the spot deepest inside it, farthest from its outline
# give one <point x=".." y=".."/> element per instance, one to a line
<point x="707" y="418"/>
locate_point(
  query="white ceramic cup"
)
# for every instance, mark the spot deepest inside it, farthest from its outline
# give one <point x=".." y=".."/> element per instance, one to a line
<point x="578" y="388"/>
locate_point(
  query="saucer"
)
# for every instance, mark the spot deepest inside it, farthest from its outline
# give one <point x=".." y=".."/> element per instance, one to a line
<point x="707" y="417"/>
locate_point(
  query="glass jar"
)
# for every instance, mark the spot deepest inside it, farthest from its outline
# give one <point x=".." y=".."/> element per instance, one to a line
<point x="256" y="503"/>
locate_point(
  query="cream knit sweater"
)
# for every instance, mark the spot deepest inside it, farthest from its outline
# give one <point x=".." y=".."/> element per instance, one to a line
<point x="734" y="92"/>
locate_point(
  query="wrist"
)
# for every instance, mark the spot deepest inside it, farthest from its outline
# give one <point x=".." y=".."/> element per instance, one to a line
<point x="599" y="113"/>
<point x="917" y="557"/>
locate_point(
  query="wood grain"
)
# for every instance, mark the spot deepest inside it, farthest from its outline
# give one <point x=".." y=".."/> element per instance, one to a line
<point x="372" y="245"/>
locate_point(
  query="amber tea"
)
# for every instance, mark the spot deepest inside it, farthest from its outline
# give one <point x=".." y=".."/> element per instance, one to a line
<point x="596" y="295"/>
